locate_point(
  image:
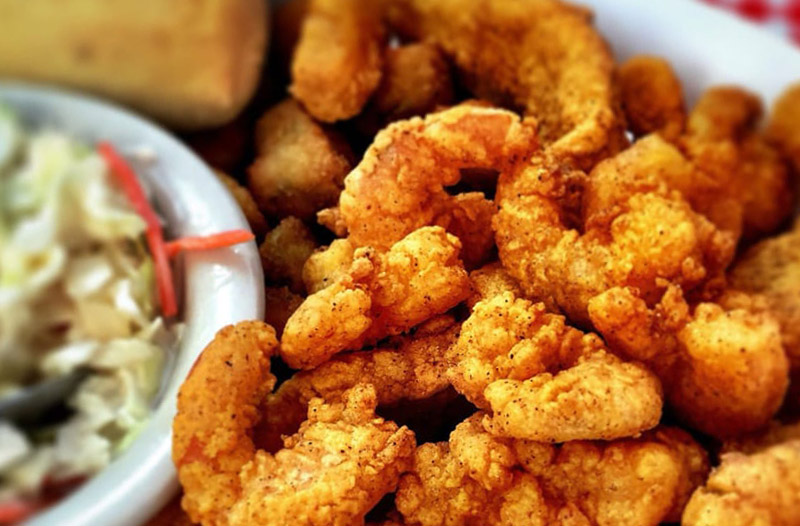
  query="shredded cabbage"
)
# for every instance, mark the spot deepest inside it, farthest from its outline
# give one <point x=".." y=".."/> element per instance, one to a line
<point x="76" y="291"/>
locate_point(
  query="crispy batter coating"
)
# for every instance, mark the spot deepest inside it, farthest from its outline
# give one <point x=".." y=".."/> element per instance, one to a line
<point x="324" y="267"/>
<point x="338" y="59"/>
<point x="748" y="490"/>
<point x="783" y="128"/>
<point x="775" y="433"/>
<point x="721" y="139"/>
<point x="333" y="471"/>
<point x="279" y="305"/>
<point x="476" y="478"/>
<point x="383" y="294"/>
<point x="652" y="96"/>
<point x="409" y="367"/>
<point x="400" y="185"/>
<point x="540" y="56"/>
<point x="489" y="281"/>
<point x="416" y="81"/>
<point x="300" y="166"/>
<point x="246" y="202"/>
<point x="216" y="409"/>
<point x="543" y="380"/>
<point x="284" y="252"/>
<point x="635" y="230"/>
<point x="772" y="268"/>
<point x="724" y="370"/>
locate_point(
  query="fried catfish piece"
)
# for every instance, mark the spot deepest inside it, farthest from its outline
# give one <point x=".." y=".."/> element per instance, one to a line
<point x="333" y="471"/>
<point x="542" y="380"/>
<point x="300" y="166"/>
<point x="337" y="62"/>
<point x="382" y="294"/>
<point x="723" y="367"/>
<point x="246" y="202"/>
<point x="746" y="490"/>
<point x="771" y="268"/>
<point x="284" y="252"/>
<point x="408" y="367"/>
<point x="539" y="56"/>
<point x="652" y="96"/>
<point x="477" y="478"/>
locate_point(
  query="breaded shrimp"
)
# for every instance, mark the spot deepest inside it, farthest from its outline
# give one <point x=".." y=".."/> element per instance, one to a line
<point x="337" y="62"/>
<point x="300" y="166"/>
<point x="324" y="267"/>
<point x="542" y="380"/>
<point x="783" y="128"/>
<point x="489" y="281"/>
<point x="748" y="490"/>
<point x="382" y="294"/>
<point x="408" y="367"/>
<point x="400" y="185"/>
<point x="476" y="478"/>
<point x="333" y="471"/>
<point x="279" y="305"/>
<point x="652" y="96"/>
<point x="246" y="202"/>
<point x="540" y="56"/>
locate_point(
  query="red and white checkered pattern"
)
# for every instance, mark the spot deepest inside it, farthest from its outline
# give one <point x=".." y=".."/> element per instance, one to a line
<point x="781" y="16"/>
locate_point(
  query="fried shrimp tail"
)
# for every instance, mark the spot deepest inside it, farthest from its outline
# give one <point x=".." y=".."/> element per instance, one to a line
<point x="333" y="471"/>
<point x="542" y="380"/>
<point x="382" y="294"/>
<point x="338" y="59"/>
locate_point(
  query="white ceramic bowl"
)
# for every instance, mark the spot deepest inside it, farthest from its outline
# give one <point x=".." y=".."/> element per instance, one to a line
<point x="220" y="287"/>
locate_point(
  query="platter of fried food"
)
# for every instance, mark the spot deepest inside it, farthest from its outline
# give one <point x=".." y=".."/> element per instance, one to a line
<point x="510" y="280"/>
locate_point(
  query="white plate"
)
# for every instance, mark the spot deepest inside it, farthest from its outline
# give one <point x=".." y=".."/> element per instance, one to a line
<point x="221" y="287"/>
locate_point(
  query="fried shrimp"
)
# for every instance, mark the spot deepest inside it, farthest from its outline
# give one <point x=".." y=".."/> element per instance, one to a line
<point x="246" y="202"/>
<point x="324" y="267"/>
<point x="284" y="252"/>
<point x="338" y="59"/>
<point x="724" y="370"/>
<point x="567" y="238"/>
<point x="783" y="128"/>
<point x="400" y="185"/>
<point x="333" y="471"/>
<point x="542" y="57"/>
<point x="408" y="367"/>
<point x="652" y="97"/>
<point x="476" y="478"/>
<point x="771" y="268"/>
<point x="279" y="305"/>
<point x="748" y="490"/>
<point x="382" y="294"/>
<point x="543" y="380"/>
<point x="489" y="281"/>
<point x="300" y="166"/>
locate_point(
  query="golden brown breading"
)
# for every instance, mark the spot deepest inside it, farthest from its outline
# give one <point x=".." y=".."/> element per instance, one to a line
<point x="416" y="80"/>
<point x="489" y="281"/>
<point x="246" y="202"/>
<point x="783" y="128"/>
<point x="543" y="380"/>
<point x="338" y="59"/>
<point x="748" y="490"/>
<point x="724" y="370"/>
<point x="284" y="252"/>
<point x="479" y="479"/>
<point x="468" y="216"/>
<point x="300" y="166"/>
<point x="540" y="56"/>
<point x="774" y="433"/>
<point x="324" y="267"/>
<point x="652" y="96"/>
<point x="279" y="305"/>
<point x="772" y="268"/>
<point x="400" y="185"/>
<point x="408" y="367"/>
<point x="382" y="294"/>
<point x="333" y="471"/>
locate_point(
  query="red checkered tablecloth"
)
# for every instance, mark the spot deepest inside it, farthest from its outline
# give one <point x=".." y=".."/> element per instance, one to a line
<point x="781" y="16"/>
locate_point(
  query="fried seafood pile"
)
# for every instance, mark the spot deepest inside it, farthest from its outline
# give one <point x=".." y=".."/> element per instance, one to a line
<point x="508" y="282"/>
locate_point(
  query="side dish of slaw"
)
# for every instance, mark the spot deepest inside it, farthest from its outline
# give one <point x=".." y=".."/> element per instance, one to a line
<point x="85" y="283"/>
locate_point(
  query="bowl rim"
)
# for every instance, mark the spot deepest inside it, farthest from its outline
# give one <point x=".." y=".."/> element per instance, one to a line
<point x="221" y="287"/>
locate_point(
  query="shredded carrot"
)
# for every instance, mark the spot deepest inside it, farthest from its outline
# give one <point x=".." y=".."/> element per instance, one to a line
<point x="154" y="233"/>
<point x="223" y="239"/>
